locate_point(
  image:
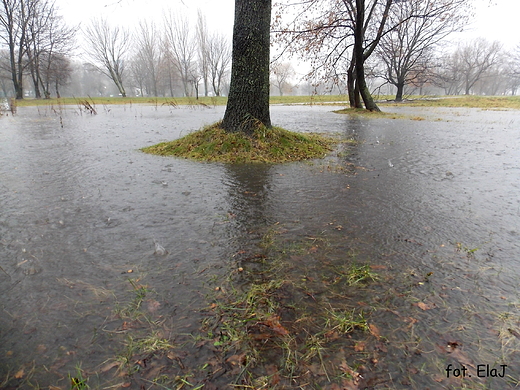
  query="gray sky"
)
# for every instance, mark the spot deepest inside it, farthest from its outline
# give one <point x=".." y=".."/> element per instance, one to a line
<point x="494" y="19"/>
<point x="219" y="13"/>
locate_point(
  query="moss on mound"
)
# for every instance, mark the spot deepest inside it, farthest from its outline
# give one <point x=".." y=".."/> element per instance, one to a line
<point x="274" y="145"/>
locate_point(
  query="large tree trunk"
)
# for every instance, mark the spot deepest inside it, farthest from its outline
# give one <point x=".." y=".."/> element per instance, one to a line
<point x="248" y="101"/>
<point x="359" y="53"/>
<point x="353" y="90"/>
<point x="400" y="90"/>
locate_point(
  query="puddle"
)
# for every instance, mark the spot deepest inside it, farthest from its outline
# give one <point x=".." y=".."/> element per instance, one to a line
<point x="432" y="205"/>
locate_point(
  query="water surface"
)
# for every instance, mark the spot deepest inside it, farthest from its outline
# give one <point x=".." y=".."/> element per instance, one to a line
<point x="81" y="207"/>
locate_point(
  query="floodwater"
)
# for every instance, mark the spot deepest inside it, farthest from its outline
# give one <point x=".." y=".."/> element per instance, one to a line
<point x="434" y="200"/>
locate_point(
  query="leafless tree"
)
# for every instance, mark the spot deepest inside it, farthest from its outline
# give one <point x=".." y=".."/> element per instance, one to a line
<point x="14" y="21"/>
<point x="203" y="46"/>
<point x="108" y="48"/>
<point x="335" y="31"/>
<point x="146" y="63"/>
<point x="5" y="74"/>
<point x="219" y="59"/>
<point x="476" y="58"/>
<point x="512" y="69"/>
<point x="57" y="73"/>
<point x="406" y="50"/>
<point x="35" y="36"/>
<point x="281" y="72"/>
<point x="181" y="48"/>
<point x="50" y="42"/>
<point x="460" y="71"/>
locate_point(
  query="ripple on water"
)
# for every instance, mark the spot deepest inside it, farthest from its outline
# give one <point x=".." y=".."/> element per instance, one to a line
<point x="81" y="207"/>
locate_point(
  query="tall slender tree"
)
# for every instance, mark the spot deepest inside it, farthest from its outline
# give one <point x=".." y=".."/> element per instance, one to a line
<point x="14" y="21"/>
<point x="219" y="58"/>
<point x="181" y="48"/>
<point x="108" y="48"/>
<point x="248" y="101"/>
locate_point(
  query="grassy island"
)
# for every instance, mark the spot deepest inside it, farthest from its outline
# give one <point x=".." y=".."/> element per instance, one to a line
<point x="274" y="145"/>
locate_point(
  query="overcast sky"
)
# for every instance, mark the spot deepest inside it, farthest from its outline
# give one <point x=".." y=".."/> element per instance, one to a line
<point x="494" y="19"/>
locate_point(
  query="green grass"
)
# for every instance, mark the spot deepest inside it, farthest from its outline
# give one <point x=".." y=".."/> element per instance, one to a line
<point x="485" y="102"/>
<point x="370" y="114"/>
<point x="273" y="145"/>
<point x="421" y="101"/>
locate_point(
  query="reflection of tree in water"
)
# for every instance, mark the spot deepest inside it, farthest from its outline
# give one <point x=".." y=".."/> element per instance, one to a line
<point x="248" y="188"/>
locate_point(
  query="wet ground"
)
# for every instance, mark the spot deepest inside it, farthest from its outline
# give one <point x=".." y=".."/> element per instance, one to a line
<point x="431" y="203"/>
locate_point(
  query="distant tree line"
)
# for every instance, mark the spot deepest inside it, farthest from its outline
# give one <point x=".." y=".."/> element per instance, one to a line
<point x="167" y="59"/>
<point x="170" y="58"/>
<point x="354" y="47"/>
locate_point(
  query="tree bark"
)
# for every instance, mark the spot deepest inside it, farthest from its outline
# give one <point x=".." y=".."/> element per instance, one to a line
<point x="400" y="89"/>
<point x="359" y="53"/>
<point x="248" y="101"/>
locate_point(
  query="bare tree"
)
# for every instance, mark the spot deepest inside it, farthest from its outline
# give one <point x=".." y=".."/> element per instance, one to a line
<point x="35" y="35"/>
<point x="51" y="41"/>
<point x="281" y="73"/>
<point x="475" y="58"/>
<point x="5" y="73"/>
<point x="14" y="20"/>
<point x="336" y="31"/>
<point x="513" y="69"/>
<point x="459" y="71"/>
<point x="181" y="48"/>
<point x="203" y="46"/>
<point x="147" y="60"/>
<point x="57" y="73"/>
<point x="406" y="50"/>
<point x="219" y="59"/>
<point x="108" y="49"/>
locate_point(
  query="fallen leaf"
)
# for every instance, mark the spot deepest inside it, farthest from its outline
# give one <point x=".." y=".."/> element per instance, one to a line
<point x="272" y="372"/>
<point x="423" y="306"/>
<point x="236" y="360"/>
<point x="374" y="330"/>
<point x="108" y="366"/>
<point x="41" y="348"/>
<point x="274" y="324"/>
<point x="359" y="347"/>
<point x="332" y="335"/>
<point x="19" y="374"/>
<point x="381" y="347"/>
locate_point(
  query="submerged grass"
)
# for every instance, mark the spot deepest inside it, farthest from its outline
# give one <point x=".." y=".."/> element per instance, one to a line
<point x="303" y="312"/>
<point x="273" y="145"/>
<point x="280" y="325"/>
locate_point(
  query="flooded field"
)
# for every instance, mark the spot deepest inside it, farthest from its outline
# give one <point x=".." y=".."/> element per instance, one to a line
<point x="126" y="270"/>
